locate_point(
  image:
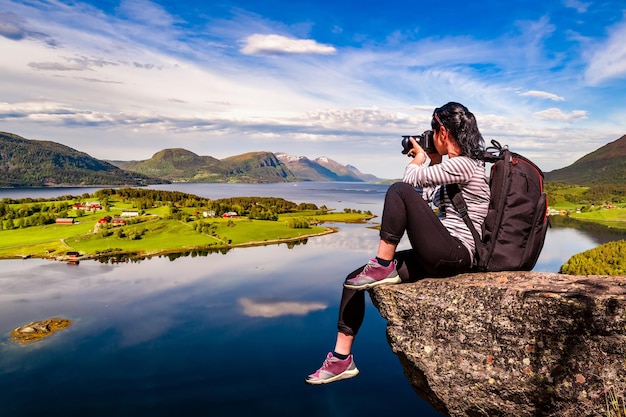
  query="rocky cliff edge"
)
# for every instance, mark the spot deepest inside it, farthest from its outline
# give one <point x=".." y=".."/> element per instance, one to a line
<point x="511" y="343"/>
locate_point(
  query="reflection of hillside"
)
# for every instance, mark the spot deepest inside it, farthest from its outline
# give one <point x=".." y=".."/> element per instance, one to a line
<point x="598" y="232"/>
<point x="172" y="255"/>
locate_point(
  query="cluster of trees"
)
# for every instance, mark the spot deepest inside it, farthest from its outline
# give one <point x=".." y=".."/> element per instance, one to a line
<point x="206" y="228"/>
<point x="349" y="210"/>
<point x="606" y="259"/>
<point x="121" y="233"/>
<point x="15" y="215"/>
<point x="297" y="223"/>
<point x="595" y="194"/>
<point x="261" y="208"/>
<point x="211" y="229"/>
<point x="29" y="200"/>
<point x="144" y="198"/>
<point x="614" y="193"/>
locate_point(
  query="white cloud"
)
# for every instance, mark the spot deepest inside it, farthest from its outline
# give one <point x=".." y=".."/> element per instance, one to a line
<point x="145" y="11"/>
<point x="332" y="125"/>
<point x="277" y="45"/>
<point x="364" y="118"/>
<point x="542" y="94"/>
<point x="608" y="61"/>
<point x="580" y="6"/>
<point x="555" y="114"/>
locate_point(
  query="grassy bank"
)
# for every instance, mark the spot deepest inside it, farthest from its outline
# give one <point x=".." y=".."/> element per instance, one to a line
<point x="609" y="217"/>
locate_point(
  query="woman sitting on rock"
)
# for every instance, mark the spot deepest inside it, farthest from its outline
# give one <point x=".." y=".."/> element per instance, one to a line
<point x="441" y="245"/>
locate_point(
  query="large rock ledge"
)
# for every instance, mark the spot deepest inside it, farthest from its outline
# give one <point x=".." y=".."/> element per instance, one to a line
<point x="511" y="343"/>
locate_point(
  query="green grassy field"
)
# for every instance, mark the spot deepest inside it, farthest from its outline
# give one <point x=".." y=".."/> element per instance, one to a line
<point x="154" y="233"/>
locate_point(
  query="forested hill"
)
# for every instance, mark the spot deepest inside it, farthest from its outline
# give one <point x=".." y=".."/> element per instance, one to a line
<point x="36" y="163"/>
<point x="183" y="165"/>
<point x="606" y="165"/>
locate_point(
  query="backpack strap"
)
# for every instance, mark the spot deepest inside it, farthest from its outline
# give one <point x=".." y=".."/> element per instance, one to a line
<point x="494" y="152"/>
<point x="459" y="204"/>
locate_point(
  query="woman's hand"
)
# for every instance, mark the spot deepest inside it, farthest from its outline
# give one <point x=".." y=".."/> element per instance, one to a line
<point x="418" y="153"/>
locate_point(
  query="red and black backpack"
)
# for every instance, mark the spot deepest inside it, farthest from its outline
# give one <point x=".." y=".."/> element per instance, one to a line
<point x="515" y="226"/>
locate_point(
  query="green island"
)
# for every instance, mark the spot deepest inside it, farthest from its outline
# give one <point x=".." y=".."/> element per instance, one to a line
<point x="134" y="223"/>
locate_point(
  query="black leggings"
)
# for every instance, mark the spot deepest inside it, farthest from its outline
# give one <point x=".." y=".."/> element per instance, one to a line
<point x="434" y="253"/>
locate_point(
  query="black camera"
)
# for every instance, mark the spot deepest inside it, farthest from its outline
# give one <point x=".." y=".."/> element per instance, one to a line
<point x="425" y="140"/>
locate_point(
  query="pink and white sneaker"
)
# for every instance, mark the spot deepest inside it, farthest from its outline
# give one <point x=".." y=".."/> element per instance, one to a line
<point x="372" y="275"/>
<point x="333" y="369"/>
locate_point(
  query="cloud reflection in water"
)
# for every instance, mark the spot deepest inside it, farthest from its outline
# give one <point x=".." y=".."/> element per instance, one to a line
<point x="269" y="309"/>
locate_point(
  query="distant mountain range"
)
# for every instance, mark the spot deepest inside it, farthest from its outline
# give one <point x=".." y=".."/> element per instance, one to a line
<point x="322" y="169"/>
<point x="252" y="167"/>
<point x="606" y="165"/>
<point x="34" y="163"/>
<point x="185" y="166"/>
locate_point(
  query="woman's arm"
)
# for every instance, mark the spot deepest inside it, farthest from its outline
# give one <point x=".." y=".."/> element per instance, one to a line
<point x="453" y="170"/>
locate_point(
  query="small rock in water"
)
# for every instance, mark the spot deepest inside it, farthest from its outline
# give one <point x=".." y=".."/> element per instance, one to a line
<point x="37" y="330"/>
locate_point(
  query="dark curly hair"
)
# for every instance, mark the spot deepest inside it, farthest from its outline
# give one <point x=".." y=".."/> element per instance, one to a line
<point x="461" y="123"/>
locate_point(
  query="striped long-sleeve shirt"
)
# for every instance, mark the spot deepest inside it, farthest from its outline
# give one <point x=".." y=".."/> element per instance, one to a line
<point x="470" y="175"/>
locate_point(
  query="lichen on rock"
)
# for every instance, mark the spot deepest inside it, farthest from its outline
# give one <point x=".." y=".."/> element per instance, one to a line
<point x="37" y="330"/>
<point x="510" y="343"/>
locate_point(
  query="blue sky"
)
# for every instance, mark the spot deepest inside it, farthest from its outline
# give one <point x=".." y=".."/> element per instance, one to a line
<point x="342" y="79"/>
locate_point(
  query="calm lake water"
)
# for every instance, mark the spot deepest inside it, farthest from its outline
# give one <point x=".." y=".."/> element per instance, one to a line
<point x="216" y="335"/>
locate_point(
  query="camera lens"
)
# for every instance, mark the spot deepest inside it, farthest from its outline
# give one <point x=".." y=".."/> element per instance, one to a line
<point x="406" y="144"/>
